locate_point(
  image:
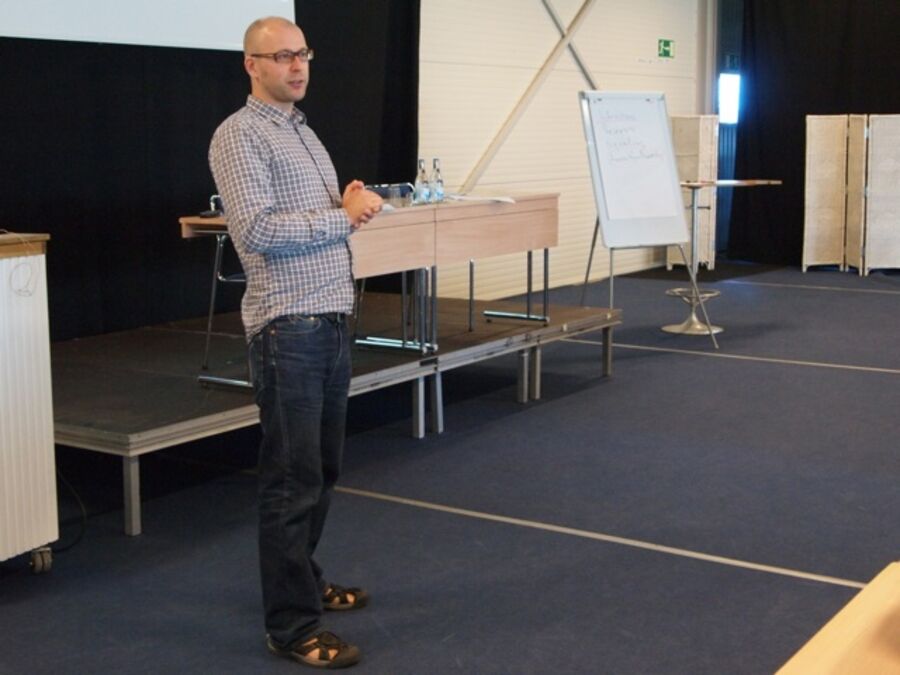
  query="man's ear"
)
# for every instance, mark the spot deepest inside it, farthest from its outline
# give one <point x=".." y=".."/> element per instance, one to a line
<point x="250" y="66"/>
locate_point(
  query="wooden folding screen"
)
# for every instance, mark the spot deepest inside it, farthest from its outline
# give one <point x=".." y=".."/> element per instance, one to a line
<point x="882" y="222"/>
<point x="824" y="217"/>
<point x="857" y="151"/>
<point x="852" y="210"/>
<point x="696" y="142"/>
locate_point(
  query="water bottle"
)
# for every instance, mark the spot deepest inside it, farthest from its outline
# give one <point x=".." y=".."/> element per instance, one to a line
<point x="422" y="189"/>
<point x="436" y="181"/>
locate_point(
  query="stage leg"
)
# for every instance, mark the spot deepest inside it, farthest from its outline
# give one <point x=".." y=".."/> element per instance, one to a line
<point x="534" y="366"/>
<point x="131" y="484"/>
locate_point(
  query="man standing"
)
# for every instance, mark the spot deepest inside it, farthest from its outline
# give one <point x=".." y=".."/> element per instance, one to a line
<point x="290" y="226"/>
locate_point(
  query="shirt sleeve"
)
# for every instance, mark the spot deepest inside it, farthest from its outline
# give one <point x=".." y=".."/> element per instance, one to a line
<point x="241" y="169"/>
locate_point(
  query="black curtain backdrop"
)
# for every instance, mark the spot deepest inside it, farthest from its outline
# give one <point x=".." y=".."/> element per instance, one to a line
<point x="800" y="58"/>
<point x="104" y="147"/>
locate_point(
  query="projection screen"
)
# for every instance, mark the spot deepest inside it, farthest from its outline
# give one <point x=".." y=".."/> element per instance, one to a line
<point x="202" y="24"/>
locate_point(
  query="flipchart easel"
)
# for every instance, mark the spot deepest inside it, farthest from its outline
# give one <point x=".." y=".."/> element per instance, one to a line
<point x="635" y="179"/>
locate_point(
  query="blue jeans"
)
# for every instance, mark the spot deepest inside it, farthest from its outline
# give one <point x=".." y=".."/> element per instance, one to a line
<point x="300" y="367"/>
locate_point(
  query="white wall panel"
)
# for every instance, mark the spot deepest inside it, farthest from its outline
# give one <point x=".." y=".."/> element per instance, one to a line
<point x="620" y="37"/>
<point x="457" y="128"/>
<point x="476" y="61"/>
<point x="515" y="34"/>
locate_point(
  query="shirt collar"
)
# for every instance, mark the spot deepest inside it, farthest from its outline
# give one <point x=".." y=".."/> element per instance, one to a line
<point x="277" y="115"/>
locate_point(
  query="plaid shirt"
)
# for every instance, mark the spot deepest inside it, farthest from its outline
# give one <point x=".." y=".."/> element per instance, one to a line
<point x="281" y="199"/>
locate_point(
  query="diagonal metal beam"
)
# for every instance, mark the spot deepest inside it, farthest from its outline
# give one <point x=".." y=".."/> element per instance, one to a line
<point x="572" y="49"/>
<point x="532" y="89"/>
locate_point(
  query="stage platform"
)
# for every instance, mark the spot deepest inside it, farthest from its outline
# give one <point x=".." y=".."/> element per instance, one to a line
<point x="134" y="392"/>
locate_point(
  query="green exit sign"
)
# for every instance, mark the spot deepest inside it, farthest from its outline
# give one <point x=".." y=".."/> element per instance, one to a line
<point x="666" y="49"/>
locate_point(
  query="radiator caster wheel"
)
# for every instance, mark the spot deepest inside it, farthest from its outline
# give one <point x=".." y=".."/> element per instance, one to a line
<point x="41" y="560"/>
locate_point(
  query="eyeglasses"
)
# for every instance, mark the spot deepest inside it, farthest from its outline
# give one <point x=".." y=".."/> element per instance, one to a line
<point x="286" y="56"/>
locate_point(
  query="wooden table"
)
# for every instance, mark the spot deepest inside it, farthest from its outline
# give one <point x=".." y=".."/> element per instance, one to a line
<point x="862" y="639"/>
<point x="420" y="238"/>
<point x="424" y="236"/>
<point x="427" y="235"/>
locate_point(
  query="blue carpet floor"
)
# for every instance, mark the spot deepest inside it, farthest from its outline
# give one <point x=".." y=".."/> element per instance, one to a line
<point x="566" y="535"/>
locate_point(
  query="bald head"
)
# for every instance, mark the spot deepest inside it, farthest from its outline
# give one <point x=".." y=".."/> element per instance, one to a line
<point x="259" y="30"/>
<point x="283" y="82"/>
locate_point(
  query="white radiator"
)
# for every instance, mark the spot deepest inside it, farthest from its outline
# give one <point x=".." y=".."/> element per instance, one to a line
<point x="28" y="510"/>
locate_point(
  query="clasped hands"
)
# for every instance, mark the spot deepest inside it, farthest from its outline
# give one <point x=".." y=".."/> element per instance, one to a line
<point x="360" y="204"/>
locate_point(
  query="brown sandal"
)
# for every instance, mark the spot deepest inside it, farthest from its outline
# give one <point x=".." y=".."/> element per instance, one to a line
<point x="339" y="598"/>
<point x="323" y="650"/>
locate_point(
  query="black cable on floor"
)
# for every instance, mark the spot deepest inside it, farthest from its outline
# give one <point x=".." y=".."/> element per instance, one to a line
<point x="84" y="516"/>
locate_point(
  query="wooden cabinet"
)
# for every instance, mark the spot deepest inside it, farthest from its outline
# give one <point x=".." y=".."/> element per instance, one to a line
<point x="28" y="510"/>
